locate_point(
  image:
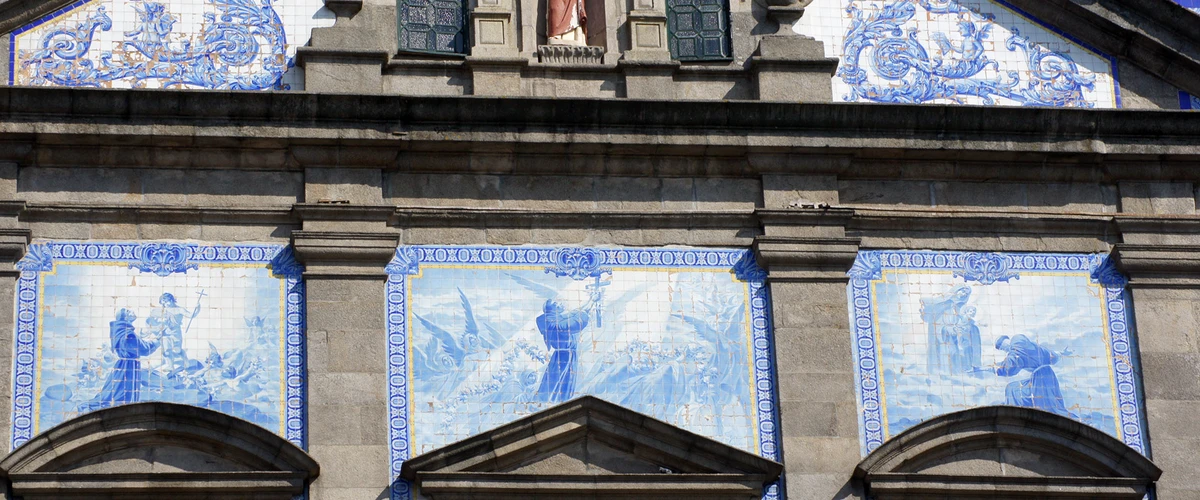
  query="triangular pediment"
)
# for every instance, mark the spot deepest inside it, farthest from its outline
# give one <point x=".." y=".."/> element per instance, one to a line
<point x="590" y="446"/>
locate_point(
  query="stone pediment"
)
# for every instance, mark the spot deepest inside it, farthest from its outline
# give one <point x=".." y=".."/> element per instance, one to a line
<point x="158" y="450"/>
<point x="592" y="448"/>
<point x="1005" y="452"/>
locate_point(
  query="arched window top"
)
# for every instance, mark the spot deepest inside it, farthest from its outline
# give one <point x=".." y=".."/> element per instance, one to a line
<point x="1001" y="451"/>
<point x="147" y="450"/>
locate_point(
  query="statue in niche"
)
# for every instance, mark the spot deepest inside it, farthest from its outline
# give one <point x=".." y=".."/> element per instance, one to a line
<point x="566" y="22"/>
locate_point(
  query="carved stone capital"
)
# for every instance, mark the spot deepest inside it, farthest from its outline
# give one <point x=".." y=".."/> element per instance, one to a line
<point x="334" y="254"/>
<point x="1159" y="266"/>
<point x="806" y="259"/>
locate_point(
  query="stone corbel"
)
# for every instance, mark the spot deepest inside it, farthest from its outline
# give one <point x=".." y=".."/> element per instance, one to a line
<point x="344" y="241"/>
<point x="1158" y="265"/>
<point x="806" y="259"/>
<point x="806" y="244"/>
<point x="13" y="243"/>
<point x="14" y="240"/>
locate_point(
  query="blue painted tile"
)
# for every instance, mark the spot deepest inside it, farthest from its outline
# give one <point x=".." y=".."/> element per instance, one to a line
<point x="949" y="331"/>
<point x="105" y="324"/>
<point x="481" y="336"/>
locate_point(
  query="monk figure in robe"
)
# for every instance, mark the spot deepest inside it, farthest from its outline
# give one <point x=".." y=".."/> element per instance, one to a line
<point x="566" y="22"/>
<point x="560" y="329"/>
<point x="125" y="380"/>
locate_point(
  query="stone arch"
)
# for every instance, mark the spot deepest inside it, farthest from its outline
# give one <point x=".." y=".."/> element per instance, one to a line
<point x="1005" y="452"/>
<point x="158" y="450"/>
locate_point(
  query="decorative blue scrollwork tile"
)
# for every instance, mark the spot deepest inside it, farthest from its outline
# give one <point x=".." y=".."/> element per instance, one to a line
<point x="209" y="44"/>
<point x="957" y="52"/>
<point x="163" y="259"/>
<point x="986" y="268"/>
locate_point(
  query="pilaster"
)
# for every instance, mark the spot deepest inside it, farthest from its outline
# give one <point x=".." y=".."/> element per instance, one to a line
<point x="344" y="248"/>
<point x="806" y="255"/>
<point x="647" y="65"/>
<point x="788" y="66"/>
<point x="1164" y="285"/>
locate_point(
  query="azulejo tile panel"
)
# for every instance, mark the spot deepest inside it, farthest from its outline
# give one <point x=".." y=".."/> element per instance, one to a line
<point x="938" y="332"/>
<point x="106" y="324"/>
<point x="982" y="52"/>
<point x="198" y="44"/>
<point x="481" y="336"/>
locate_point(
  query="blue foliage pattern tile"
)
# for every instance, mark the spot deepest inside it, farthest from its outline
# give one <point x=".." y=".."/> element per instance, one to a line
<point x="1188" y="101"/>
<point x="983" y="52"/>
<point x="205" y="44"/>
<point x="939" y="332"/>
<point x="481" y="336"/>
<point x="105" y="324"/>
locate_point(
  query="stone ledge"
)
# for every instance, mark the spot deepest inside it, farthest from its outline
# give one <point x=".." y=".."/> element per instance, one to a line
<point x="153" y="486"/>
<point x="501" y="218"/>
<point x="80" y="212"/>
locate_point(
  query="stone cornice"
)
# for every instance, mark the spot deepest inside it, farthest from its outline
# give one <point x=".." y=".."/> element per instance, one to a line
<point x="874" y="221"/>
<point x="1158" y="36"/>
<point x="62" y="126"/>
<point x="1159" y="266"/>
<point x="80" y="212"/>
<point x="510" y="218"/>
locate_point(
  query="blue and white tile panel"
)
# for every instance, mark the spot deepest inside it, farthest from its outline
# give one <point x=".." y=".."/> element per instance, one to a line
<point x="481" y="336"/>
<point x="106" y="324"/>
<point x="939" y="332"/>
<point x="196" y="44"/>
<point x="982" y="52"/>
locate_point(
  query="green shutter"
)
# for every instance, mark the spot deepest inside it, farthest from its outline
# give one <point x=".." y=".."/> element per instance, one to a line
<point x="698" y="30"/>
<point x="437" y="26"/>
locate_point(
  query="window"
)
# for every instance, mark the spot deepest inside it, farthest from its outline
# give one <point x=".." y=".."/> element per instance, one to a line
<point x="698" y="30"/>
<point x="432" y="26"/>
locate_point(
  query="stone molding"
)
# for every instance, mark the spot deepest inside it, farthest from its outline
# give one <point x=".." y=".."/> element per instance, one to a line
<point x="1159" y="266"/>
<point x="691" y="466"/>
<point x="316" y="126"/>
<point x="257" y="463"/>
<point x="806" y="259"/>
<point x="81" y="212"/>
<point x="342" y="255"/>
<point x="570" y="54"/>
<point x="927" y="457"/>
<point x="602" y="219"/>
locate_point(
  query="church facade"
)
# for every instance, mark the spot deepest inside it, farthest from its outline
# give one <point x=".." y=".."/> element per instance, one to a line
<point x="364" y="249"/>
